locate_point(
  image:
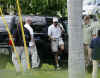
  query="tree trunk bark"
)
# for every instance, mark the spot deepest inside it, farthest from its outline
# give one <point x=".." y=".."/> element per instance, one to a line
<point x="76" y="63"/>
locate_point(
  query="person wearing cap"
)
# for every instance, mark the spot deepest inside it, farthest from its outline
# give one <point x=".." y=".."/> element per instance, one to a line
<point x="54" y="32"/>
<point x="90" y="31"/>
<point x="87" y="36"/>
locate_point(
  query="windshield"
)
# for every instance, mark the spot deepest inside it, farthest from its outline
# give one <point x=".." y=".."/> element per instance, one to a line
<point x="89" y="2"/>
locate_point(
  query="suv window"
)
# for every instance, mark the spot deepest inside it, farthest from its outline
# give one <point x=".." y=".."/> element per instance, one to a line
<point x="3" y="32"/>
<point x="9" y="20"/>
<point x="89" y="2"/>
<point x="98" y="2"/>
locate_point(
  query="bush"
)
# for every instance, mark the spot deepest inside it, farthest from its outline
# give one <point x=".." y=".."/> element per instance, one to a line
<point x="47" y="67"/>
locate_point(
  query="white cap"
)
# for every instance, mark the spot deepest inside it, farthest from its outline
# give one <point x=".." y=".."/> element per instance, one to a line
<point x="55" y="19"/>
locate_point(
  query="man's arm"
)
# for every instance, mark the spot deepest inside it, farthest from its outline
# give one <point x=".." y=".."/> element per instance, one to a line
<point x="32" y="42"/>
<point x="90" y="50"/>
<point x="61" y="27"/>
<point x="32" y="38"/>
<point x="49" y="32"/>
<point x="93" y="30"/>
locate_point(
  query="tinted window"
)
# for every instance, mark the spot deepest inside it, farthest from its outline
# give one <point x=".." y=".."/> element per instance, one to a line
<point x="89" y="2"/>
<point x="8" y="20"/>
<point x="98" y="2"/>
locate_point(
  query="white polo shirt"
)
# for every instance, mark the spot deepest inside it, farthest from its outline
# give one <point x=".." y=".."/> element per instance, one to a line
<point x="54" y="32"/>
<point x="28" y="27"/>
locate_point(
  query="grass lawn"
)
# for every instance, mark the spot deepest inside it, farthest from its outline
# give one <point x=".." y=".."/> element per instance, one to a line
<point x="7" y="70"/>
<point x="34" y="74"/>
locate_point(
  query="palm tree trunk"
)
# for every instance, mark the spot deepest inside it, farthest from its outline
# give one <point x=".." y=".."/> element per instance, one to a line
<point x="76" y="63"/>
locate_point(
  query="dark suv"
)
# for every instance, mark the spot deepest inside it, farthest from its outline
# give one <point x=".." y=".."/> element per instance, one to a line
<point x="40" y="26"/>
<point x="3" y="32"/>
<point x="4" y="47"/>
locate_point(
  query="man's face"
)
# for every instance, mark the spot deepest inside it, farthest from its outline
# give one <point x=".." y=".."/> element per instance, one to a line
<point x="55" y="23"/>
<point x="29" y="21"/>
<point x="87" y="21"/>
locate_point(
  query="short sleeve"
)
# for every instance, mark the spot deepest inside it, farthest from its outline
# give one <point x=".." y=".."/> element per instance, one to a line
<point x="31" y="31"/>
<point x="61" y="26"/>
<point x="49" y="31"/>
<point x="94" y="29"/>
<point x="91" y="28"/>
<point x="29" y="28"/>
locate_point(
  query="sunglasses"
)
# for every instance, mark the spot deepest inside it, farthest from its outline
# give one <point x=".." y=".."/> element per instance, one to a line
<point x="56" y="22"/>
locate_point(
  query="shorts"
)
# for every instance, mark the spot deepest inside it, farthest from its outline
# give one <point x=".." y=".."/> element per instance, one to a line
<point x="55" y="44"/>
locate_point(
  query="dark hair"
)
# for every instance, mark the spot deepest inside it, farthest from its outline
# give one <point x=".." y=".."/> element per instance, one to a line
<point x="98" y="33"/>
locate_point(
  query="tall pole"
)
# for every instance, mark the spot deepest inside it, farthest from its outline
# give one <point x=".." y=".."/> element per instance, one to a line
<point x="11" y="38"/>
<point x="23" y="35"/>
<point x="76" y="63"/>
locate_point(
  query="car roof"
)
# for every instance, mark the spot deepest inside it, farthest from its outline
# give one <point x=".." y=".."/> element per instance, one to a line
<point x="36" y="20"/>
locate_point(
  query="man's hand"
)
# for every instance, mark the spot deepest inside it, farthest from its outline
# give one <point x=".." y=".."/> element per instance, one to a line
<point x="61" y="27"/>
<point x="31" y="44"/>
<point x="53" y="39"/>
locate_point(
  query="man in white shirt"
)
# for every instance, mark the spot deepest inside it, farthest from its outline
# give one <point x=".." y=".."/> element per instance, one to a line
<point x="89" y="32"/>
<point x="54" y="32"/>
<point x="31" y="46"/>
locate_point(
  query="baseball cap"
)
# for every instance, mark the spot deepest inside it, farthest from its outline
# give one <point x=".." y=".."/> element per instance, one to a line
<point x="55" y="19"/>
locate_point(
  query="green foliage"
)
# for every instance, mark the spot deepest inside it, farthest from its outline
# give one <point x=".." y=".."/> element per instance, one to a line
<point x="46" y="67"/>
<point x="40" y="7"/>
